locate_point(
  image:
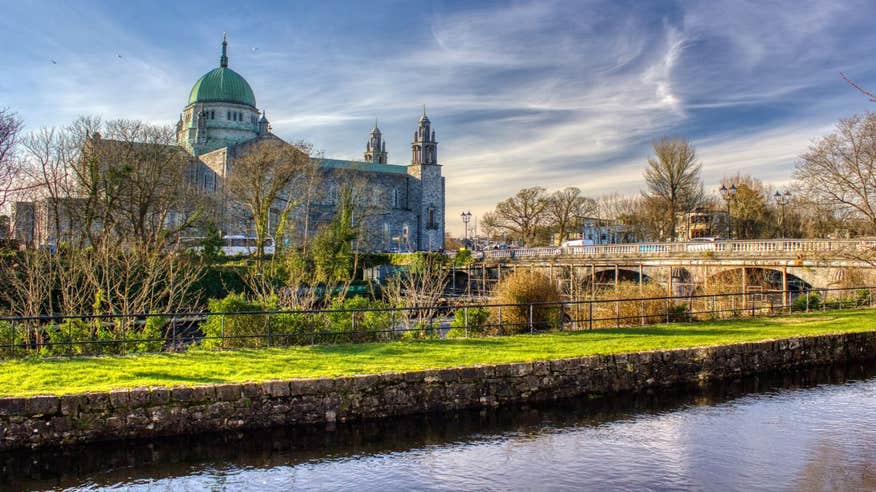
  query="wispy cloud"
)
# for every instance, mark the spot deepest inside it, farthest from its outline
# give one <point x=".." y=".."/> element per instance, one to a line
<point x="532" y="92"/>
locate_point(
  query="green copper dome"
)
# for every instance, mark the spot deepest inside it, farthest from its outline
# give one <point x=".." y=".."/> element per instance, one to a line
<point x="222" y="85"/>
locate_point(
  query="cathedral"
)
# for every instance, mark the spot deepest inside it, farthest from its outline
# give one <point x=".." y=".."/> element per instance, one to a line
<point x="403" y="205"/>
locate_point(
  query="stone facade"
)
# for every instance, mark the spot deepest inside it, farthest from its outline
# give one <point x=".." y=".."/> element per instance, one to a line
<point x="404" y="209"/>
<point x="149" y="412"/>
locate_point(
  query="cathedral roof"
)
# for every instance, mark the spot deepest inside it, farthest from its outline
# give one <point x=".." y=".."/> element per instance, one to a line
<point x="222" y="85"/>
<point x="363" y="166"/>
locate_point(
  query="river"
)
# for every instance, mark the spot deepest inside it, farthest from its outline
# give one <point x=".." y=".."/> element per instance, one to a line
<point x="809" y="430"/>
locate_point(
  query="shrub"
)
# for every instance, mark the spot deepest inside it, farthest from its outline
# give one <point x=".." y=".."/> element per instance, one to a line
<point x="293" y="328"/>
<point x="477" y="319"/>
<point x="149" y="338"/>
<point x="10" y="338"/>
<point x="72" y="337"/>
<point x="519" y="291"/>
<point x="370" y="326"/>
<point x="799" y="303"/>
<point x="644" y="305"/>
<point x="241" y="330"/>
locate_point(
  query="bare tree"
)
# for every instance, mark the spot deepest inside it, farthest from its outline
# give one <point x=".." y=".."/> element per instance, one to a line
<point x="521" y="215"/>
<point x="11" y="179"/>
<point x="565" y="207"/>
<point x="139" y="180"/>
<point x="860" y="89"/>
<point x="50" y="154"/>
<point x="421" y="287"/>
<point x="673" y="179"/>
<point x="262" y="180"/>
<point x="840" y="169"/>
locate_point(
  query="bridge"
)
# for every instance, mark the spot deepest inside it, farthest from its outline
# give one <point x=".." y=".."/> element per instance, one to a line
<point x="787" y="265"/>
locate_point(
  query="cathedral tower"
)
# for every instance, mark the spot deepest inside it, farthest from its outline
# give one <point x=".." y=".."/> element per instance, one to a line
<point x="375" y="149"/>
<point x="424" y="166"/>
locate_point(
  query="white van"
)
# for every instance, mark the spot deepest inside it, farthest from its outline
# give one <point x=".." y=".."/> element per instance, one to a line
<point x="702" y="244"/>
<point x="576" y="242"/>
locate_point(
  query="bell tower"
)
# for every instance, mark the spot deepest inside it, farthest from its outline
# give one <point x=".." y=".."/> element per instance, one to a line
<point x="424" y="148"/>
<point x="375" y="149"/>
<point x="430" y="186"/>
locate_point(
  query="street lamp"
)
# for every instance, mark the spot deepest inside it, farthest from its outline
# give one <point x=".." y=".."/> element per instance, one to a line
<point x="466" y="216"/>
<point x="782" y="199"/>
<point x="728" y="194"/>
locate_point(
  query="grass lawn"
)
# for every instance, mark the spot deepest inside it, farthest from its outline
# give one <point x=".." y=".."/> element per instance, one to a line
<point x="75" y="375"/>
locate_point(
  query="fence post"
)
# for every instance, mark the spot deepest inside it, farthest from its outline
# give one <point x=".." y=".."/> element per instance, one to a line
<point x="530" y="318"/>
<point x="590" y="306"/>
<point x="616" y="312"/>
<point x="807" y="300"/>
<point x="667" y="310"/>
<point x="268" y="328"/>
<point x="392" y="324"/>
<point x="222" y="325"/>
<point x="352" y="324"/>
<point x="465" y="313"/>
<point x="714" y="314"/>
<point x="12" y="341"/>
<point x="500" y="321"/>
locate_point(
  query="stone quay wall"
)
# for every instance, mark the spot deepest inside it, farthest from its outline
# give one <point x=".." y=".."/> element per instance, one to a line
<point x="151" y="412"/>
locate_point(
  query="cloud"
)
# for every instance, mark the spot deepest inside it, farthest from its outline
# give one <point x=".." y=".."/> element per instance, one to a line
<point x="549" y="93"/>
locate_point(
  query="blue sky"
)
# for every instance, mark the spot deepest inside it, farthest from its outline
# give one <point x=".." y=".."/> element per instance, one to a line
<point x="547" y="93"/>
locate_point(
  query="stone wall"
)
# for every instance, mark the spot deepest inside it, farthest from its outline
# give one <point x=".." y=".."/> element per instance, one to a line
<point x="144" y="412"/>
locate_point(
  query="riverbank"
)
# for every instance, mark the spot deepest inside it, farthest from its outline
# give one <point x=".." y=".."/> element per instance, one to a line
<point x="149" y="412"/>
<point x="89" y="374"/>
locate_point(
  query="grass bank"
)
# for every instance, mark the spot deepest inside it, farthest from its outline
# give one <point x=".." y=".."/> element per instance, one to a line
<point x="65" y="376"/>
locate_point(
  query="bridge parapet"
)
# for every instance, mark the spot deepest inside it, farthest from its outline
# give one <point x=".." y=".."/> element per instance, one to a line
<point x="774" y="248"/>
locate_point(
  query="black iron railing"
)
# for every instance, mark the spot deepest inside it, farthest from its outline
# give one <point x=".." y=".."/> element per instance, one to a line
<point x="95" y="334"/>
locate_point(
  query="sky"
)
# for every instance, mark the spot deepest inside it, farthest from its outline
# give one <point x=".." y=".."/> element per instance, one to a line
<point x="522" y="93"/>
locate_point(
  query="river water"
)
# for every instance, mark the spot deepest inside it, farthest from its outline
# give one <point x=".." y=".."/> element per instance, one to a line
<point x="810" y="430"/>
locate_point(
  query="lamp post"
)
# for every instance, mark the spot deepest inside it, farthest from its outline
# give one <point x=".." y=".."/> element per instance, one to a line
<point x="782" y="199"/>
<point x="466" y="216"/>
<point x="728" y="194"/>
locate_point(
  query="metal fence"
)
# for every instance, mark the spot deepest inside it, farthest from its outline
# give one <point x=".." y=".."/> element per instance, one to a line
<point x="83" y="335"/>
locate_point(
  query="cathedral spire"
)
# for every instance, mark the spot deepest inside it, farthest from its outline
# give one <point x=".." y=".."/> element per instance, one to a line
<point x="375" y="149"/>
<point x="424" y="146"/>
<point x="223" y="62"/>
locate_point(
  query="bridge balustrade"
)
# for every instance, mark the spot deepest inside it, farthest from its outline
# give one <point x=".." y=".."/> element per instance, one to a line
<point x="787" y="247"/>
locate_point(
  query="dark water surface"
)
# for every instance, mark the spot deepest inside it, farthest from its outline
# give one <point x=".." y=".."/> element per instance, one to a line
<point x="811" y="430"/>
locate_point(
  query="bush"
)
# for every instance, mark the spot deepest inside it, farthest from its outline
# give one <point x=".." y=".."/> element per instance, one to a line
<point x="477" y="319"/>
<point x="241" y="330"/>
<point x="633" y="311"/>
<point x="519" y="291"/>
<point x="370" y="326"/>
<point x="149" y="338"/>
<point x="10" y="338"/>
<point x="799" y="303"/>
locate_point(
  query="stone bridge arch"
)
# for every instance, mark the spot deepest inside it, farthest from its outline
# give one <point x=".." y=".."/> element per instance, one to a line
<point x="759" y="277"/>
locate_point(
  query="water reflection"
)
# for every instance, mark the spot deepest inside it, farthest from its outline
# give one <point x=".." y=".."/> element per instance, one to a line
<point x="776" y="432"/>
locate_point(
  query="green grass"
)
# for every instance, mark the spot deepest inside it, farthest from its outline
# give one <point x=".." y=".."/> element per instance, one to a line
<point x="65" y="376"/>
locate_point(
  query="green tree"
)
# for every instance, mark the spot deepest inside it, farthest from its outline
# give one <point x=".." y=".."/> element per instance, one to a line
<point x="332" y="249"/>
